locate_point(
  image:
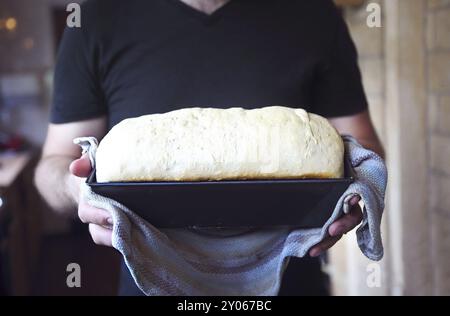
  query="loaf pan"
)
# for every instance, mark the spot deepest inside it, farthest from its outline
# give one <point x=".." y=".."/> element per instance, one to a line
<point x="303" y="203"/>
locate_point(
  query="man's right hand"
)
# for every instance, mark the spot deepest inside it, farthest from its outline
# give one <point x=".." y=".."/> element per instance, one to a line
<point x="99" y="220"/>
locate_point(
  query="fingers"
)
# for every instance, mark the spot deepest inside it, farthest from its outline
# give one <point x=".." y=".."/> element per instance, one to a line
<point x="100" y="221"/>
<point x="347" y="222"/>
<point x="81" y="167"/>
<point x="100" y="235"/>
<point x="354" y="200"/>
<point x="341" y="226"/>
<point x="93" y="215"/>
<point x="323" y="245"/>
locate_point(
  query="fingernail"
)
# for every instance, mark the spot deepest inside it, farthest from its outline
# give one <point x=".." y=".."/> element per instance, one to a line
<point x="355" y="200"/>
<point x="110" y="221"/>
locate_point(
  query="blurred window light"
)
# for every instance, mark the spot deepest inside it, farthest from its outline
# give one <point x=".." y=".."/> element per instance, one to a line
<point x="10" y="24"/>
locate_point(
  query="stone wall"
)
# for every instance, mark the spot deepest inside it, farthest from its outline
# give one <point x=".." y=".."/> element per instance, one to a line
<point x="438" y="92"/>
<point x="396" y="76"/>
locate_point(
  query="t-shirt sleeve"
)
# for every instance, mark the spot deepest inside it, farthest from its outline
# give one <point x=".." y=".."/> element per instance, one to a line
<point x="77" y="91"/>
<point x="337" y="88"/>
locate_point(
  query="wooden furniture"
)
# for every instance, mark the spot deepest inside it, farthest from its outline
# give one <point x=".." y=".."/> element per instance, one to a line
<point x="17" y="223"/>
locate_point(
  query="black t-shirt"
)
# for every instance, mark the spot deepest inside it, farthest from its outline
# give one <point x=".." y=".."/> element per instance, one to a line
<point x="136" y="57"/>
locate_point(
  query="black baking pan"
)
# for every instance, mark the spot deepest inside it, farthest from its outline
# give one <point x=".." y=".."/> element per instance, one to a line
<point x="303" y="203"/>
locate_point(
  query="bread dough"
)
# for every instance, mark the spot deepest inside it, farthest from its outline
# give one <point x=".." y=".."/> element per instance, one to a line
<point x="195" y="144"/>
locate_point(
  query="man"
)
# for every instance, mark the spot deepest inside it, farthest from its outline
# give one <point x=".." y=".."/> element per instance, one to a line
<point x="131" y="58"/>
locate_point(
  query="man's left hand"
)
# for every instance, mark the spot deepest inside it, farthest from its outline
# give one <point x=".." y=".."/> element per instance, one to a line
<point x="341" y="226"/>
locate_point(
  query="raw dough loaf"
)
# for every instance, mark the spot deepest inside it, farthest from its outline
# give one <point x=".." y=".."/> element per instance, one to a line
<point x="215" y="144"/>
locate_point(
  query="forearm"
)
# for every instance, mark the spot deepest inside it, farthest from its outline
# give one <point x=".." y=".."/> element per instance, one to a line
<point x="360" y="126"/>
<point x="57" y="186"/>
<point x="373" y="144"/>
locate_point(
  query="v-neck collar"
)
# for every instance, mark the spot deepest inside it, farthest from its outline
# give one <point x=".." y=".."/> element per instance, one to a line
<point x="205" y="17"/>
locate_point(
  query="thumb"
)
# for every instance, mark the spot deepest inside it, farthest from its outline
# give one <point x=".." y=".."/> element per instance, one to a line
<point x="81" y="167"/>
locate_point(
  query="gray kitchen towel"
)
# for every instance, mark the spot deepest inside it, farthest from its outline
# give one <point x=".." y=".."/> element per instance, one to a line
<point x="215" y="262"/>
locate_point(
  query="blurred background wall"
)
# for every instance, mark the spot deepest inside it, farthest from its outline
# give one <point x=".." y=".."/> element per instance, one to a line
<point x="438" y="132"/>
<point x="36" y="245"/>
<point x="28" y="52"/>
<point x="406" y="70"/>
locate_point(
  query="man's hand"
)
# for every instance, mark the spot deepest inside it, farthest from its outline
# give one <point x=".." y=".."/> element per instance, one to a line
<point x="359" y="126"/>
<point x="99" y="220"/>
<point x="341" y="226"/>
